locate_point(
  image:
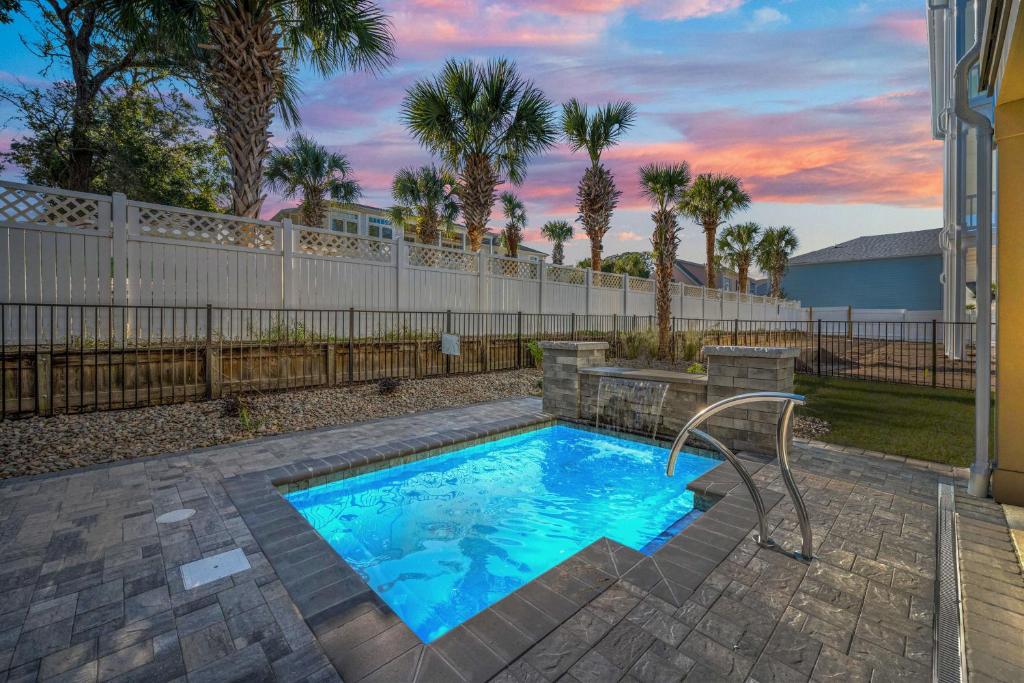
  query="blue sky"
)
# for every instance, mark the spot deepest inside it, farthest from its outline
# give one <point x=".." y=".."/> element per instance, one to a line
<point x="820" y="106"/>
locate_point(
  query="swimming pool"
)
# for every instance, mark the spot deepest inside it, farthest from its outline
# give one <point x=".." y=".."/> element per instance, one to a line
<point x="442" y="538"/>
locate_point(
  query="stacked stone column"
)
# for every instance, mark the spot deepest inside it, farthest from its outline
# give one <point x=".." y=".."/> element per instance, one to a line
<point x="734" y="370"/>
<point x="562" y="362"/>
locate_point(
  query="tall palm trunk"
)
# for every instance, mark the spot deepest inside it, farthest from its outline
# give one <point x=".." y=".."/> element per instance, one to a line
<point x="709" y="247"/>
<point x="777" y="283"/>
<point x="665" y="243"/>
<point x="477" y="194"/>
<point x="512" y="243"/>
<point x="596" y="198"/>
<point x="313" y="209"/>
<point x="427" y="227"/>
<point x="742" y="271"/>
<point x="246" y="67"/>
<point x="557" y="253"/>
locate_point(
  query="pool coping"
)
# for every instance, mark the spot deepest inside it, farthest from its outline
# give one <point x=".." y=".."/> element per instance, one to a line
<point x="365" y="640"/>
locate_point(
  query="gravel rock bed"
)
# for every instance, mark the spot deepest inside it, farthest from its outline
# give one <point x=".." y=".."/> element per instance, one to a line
<point x="49" y="444"/>
<point x="810" y="427"/>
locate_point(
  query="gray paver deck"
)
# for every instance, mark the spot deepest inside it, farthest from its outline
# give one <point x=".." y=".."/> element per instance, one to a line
<point x="90" y="587"/>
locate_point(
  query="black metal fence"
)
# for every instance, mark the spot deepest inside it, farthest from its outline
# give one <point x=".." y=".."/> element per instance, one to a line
<point x="76" y="358"/>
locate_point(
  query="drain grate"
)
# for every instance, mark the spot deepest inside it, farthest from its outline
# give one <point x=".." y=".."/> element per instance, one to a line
<point x="947" y="661"/>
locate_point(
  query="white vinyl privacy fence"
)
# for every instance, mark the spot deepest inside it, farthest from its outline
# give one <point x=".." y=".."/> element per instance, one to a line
<point x="62" y="247"/>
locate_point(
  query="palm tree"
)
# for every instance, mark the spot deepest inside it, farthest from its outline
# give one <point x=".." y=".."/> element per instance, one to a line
<point x="558" y="232"/>
<point x="244" y="56"/>
<point x="773" y="252"/>
<point x="486" y="122"/>
<point x="305" y="168"/>
<point x="713" y="199"/>
<point x="737" y="246"/>
<point x="665" y="185"/>
<point x="596" y="196"/>
<point x="515" y="216"/>
<point x="425" y="196"/>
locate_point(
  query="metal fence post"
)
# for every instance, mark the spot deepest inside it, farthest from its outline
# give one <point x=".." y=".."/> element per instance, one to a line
<point x="572" y="326"/>
<point x="519" y="338"/>
<point x="351" y="345"/>
<point x="819" y="347"/>
<point x="736" y="332"/>
<point x="935" y="354"/>
<point x="615" y="335"/>
<point x="209" y="351"/>
<point x="448" y="330"/>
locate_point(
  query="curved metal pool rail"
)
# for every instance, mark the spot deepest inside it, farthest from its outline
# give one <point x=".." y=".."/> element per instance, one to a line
<point x="782" y="433"/>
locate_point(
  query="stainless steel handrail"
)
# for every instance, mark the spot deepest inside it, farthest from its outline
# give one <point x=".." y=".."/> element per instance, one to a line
<point x="782" y="433"/>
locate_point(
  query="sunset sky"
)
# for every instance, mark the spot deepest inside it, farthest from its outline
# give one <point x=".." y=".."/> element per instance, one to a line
<point x="821" y="106"/>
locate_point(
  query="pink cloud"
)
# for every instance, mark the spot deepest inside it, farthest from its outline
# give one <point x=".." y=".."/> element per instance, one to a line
<point x="906" y="26"/>
<point x="425" y="27"/>
<point x="630" y="236"/>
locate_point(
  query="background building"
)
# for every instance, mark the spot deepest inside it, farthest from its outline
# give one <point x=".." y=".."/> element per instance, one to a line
<point x="692" y="273"/>
<point x="372" y="221"/>
<point x="899" y="270"/>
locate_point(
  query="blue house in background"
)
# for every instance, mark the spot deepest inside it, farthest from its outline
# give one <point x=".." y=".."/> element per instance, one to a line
<point x="900" y="270"/>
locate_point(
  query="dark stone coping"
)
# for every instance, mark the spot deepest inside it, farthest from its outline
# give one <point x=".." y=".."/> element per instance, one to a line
<point x="366" y="640"/>
<point x="647" y="374"/>
<point x="575" y="345"/>
<point x="752" y="351"/>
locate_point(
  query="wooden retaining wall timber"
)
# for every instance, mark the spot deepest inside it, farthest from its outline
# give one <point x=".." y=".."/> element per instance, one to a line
<point x="44" y="381"/>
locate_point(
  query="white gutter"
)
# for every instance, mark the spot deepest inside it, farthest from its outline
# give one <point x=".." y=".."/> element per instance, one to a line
<point x="978" y="484"/>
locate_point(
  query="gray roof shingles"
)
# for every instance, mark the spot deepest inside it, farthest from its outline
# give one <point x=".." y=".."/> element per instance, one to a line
<point x="870" y="247"/>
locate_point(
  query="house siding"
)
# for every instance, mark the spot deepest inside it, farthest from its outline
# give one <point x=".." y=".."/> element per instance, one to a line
<point x="910" y="283"/>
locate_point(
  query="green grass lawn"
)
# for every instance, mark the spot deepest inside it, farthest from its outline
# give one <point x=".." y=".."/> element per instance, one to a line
<point x="919" y="422"/>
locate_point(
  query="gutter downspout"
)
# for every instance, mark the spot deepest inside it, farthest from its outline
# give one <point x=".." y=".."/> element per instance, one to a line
<point x="978" y="484"/>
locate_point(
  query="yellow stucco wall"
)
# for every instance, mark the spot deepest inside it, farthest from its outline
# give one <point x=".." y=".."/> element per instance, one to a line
<point x="1008" y="479"/>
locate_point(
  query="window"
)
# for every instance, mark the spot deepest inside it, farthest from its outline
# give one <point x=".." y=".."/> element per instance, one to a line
<point x="379" y="227"/>
<point x="343" y="221"/>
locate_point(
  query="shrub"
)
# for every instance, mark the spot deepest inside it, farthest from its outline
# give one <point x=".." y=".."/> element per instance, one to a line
<point x="695" y="368"/>
<point x="693" y="341"/>
<point x="536" y="352"/>
<point x="639" y="344"/>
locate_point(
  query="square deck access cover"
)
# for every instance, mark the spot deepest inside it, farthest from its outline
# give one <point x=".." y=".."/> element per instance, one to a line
<point x="209" y="569"/>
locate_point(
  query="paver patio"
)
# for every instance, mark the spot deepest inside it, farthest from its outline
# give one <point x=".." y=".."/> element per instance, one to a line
<point x="90" y="587"/>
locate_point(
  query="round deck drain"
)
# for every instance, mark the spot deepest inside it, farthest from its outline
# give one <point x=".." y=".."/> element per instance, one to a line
<point x="175" y="516"/>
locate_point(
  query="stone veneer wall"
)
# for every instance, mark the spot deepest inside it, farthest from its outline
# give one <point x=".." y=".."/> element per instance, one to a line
<point x="563" y="361"/>
<point x="736" y="370"/>
<point x="573" y="370"/>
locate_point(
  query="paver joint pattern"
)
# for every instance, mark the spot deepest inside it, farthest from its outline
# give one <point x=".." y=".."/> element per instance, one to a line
<point x="91" y="589"/>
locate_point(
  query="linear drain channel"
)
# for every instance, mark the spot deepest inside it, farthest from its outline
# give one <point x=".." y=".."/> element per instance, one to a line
<point x="947" y="661"/>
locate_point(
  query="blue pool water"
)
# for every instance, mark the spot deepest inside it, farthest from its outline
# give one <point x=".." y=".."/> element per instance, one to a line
<point x="442" y="538"/>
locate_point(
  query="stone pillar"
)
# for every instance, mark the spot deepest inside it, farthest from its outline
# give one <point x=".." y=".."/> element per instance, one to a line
<point x="562" y="362"/>
<point x="736" y="370"/>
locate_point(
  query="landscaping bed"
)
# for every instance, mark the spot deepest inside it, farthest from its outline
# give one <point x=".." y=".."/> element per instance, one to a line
<point x="49" y="444"/>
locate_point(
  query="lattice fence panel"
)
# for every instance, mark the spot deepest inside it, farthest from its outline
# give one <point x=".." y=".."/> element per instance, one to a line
<point x="565" y="275"/>
<point x="637" y="284"/>
<point x="24" y="205"/>
<point x="609" y="280"/>
<point x="208" y="228"/>
<point x="320" y="243"/>
<point x="521" y="270"/>
<point x="446" y="259"/>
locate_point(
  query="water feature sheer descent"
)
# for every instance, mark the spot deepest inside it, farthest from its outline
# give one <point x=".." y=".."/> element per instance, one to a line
<point x="631" y="405"/>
